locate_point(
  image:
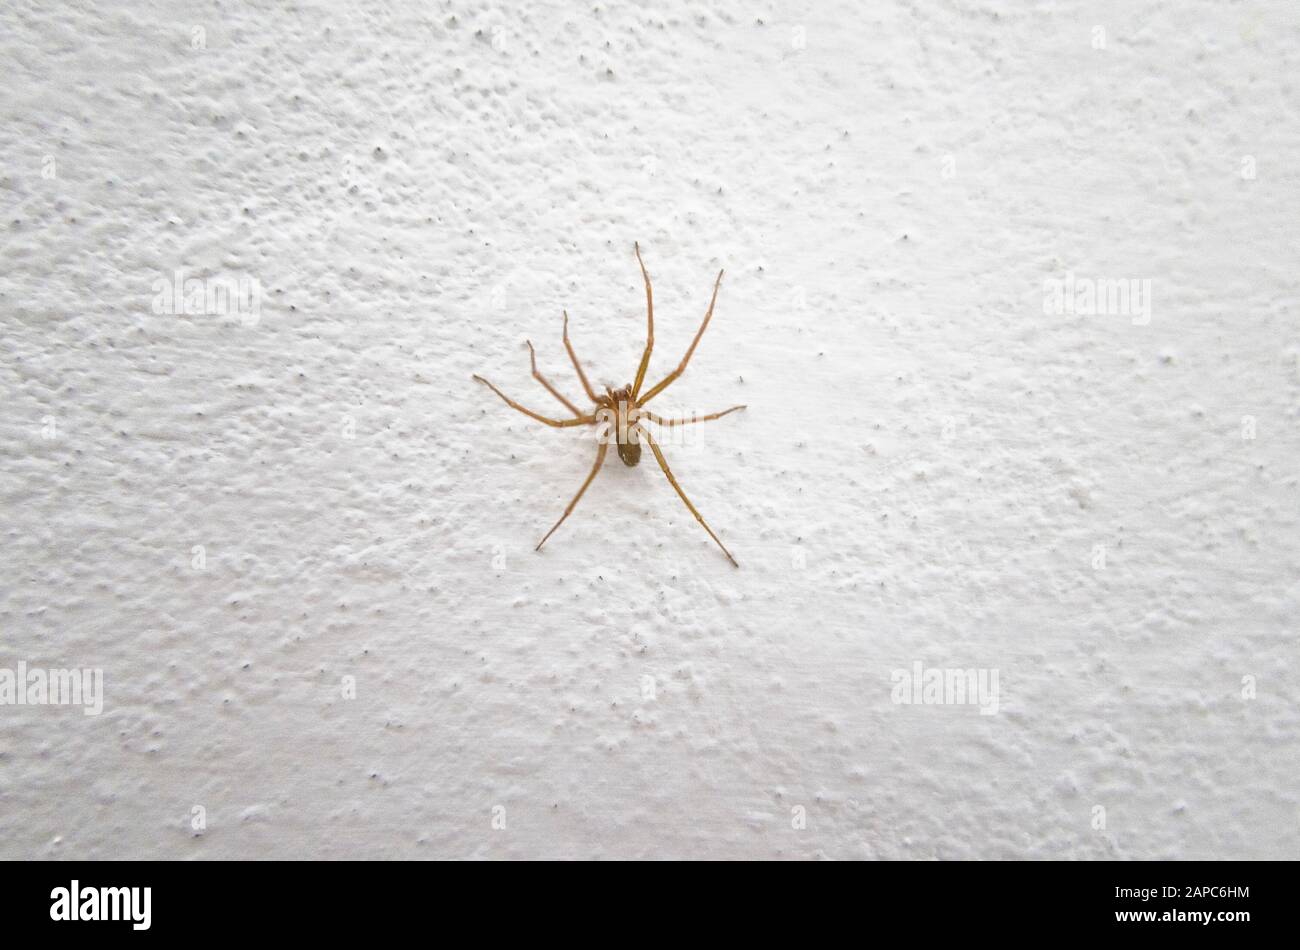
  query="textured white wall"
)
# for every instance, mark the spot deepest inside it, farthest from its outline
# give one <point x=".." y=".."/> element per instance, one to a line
<point x="927" y="467"/>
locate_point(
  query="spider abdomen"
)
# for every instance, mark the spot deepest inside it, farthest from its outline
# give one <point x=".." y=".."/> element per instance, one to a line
<point x="629" y="452"/>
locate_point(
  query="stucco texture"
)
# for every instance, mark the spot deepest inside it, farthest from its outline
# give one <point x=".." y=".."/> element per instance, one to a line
<point x="297" y="538"/>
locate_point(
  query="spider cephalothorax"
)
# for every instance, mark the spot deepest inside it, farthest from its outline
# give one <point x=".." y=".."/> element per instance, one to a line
<point x="619" y="411"/>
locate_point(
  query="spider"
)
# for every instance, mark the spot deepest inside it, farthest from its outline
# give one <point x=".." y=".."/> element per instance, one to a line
<point x="620" y="411"/>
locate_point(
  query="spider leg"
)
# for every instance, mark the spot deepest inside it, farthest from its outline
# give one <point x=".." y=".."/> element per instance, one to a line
<point x="645" y="414"/>
<point x="681" y="367"/>
<point x="558" y="423"/>
<point x="600" y="458"/>
<point x="576" y="365"/>
<point x="663" y="463"/>
<point x="650" y="326"/>
<point x="542" y="379"/>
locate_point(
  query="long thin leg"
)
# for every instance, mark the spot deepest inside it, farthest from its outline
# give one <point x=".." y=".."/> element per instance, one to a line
<point x="574" y="356"/>
<point x="650" y="326"/>
<point x="663" y="463"/>
<point x="600" y="458"/>
<point x="687" y="358"/>
<point x="558" y="423"/>
<point x="532" y="356"/>
<point x="645" y="414"/>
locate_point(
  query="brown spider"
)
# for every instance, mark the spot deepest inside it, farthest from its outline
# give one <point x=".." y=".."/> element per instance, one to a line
<point x="620" y="410"/>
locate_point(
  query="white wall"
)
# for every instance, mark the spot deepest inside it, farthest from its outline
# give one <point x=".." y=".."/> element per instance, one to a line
<point x="927" y="471"/>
